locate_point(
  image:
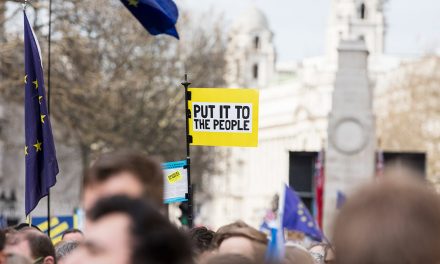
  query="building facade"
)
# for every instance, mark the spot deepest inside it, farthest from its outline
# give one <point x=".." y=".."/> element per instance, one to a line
<point x="298" y="107"/>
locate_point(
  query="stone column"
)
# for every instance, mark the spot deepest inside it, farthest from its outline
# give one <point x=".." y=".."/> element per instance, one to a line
<point x="351" y="131"/>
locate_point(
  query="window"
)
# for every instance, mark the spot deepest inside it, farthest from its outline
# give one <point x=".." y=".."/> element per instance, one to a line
<point x="301" y="172"/>
<point x="362" y="11"/>
<point x="412" y="160"/>
<point x="255" y="71"/>
<point x="257" y="42"/>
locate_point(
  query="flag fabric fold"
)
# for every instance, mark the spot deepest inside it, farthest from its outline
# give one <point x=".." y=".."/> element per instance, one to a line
<point x="292" y="215"/>
<point x="275" y="249"/>
<point x="39" y="150"/>
<point x="297" y="217"/>
<point x="156" y="16"/>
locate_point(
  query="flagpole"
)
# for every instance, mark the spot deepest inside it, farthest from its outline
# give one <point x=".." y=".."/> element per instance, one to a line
<point x="186" y="84"/>
<point x="28" y="217"/>
<point x="48" y="101"/>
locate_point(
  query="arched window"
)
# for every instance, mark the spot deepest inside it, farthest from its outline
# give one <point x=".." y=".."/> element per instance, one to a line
<point x="257" y="42"/>
<point x="255" y="71"/>
<point x="362" y="11"/>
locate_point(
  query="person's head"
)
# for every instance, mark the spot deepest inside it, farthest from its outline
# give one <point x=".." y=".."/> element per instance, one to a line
<point x="23" y="226"/>
<point x="32" y="244"/>
<point x="297" y="255"/>
<point x="240" y="238"/>
<point x="228" y="259"/>
<point x="65" y="248"/>
<point x="2" y="240"/>
<point x="322" y="253"/>
<point x="395" y="220"/>
<point x="125" y="230"/>
<point x="201" y="238"/>
<point x="73" y="235"/>
<point x="123" y="173"/>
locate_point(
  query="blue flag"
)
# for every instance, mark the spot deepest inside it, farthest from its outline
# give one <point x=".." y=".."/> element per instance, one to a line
<point x="297" y="217"/>
<point x="275" y="249"/>
<point x="340" y="199"/>
<point x="157" y="16"/>
<point x="40" y="158"/>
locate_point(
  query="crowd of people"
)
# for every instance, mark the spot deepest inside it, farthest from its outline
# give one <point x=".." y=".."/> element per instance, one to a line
<point x="395" y="219"/>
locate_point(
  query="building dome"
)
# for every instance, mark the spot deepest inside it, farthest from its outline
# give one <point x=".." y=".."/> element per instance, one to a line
<point x="251" y="20"/>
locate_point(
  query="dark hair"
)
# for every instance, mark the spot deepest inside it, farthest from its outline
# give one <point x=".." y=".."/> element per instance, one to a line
<point x="147" y="170"/>
<point x="23" y="226"/>
<point x="201" y="238"/>
<point x="64" y="248"/>
<point x="40" y="244"/>
<point x="155" y="239"/>
<point x="228" y="259"/>
<point x="71" y="231"/>
<point x="2" y="240"/>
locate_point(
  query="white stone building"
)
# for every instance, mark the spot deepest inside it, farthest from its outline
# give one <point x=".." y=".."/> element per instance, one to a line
<point x="295" y="103"/>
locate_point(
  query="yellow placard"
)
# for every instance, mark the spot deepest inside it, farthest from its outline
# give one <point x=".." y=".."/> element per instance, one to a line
<point x="224" y="117"/>
<point x="174" y="177"/>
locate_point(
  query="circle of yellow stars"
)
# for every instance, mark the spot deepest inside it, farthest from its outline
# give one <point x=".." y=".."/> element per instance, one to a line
<point x="38" y="144"/>
<point x="303" y="218"/>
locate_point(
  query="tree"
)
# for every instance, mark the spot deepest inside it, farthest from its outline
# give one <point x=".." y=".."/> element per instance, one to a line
<point x="408" y="116"/>
<point x="114" y="85"/>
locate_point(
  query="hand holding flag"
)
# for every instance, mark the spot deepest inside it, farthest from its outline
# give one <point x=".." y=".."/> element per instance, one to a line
<point x="292" y="215"/>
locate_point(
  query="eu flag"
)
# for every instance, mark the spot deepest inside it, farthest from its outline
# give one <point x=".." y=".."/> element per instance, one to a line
<point x="297" y="217"/>
<point x="41" y="162"/>
<point x="157" y="16"/>
<point x="275" y="249"/>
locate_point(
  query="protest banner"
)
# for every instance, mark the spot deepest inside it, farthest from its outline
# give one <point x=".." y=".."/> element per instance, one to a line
<point x="223" y="117"/>
<point x="175" y="181"/>
<point x="58" y="225"/>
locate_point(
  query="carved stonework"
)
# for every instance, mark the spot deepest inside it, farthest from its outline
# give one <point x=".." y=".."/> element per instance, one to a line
<point x="351" y="132"/>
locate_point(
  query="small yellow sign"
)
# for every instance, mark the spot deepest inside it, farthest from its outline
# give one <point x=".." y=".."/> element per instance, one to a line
<point x="224" y="117"/>
<point x="174" y="177"/>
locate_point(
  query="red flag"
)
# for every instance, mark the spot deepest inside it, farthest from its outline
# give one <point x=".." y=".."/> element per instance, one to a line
<point x="319" y="188"/>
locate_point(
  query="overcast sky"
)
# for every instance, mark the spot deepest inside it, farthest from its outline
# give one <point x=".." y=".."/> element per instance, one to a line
<point x="299" y="25"/>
